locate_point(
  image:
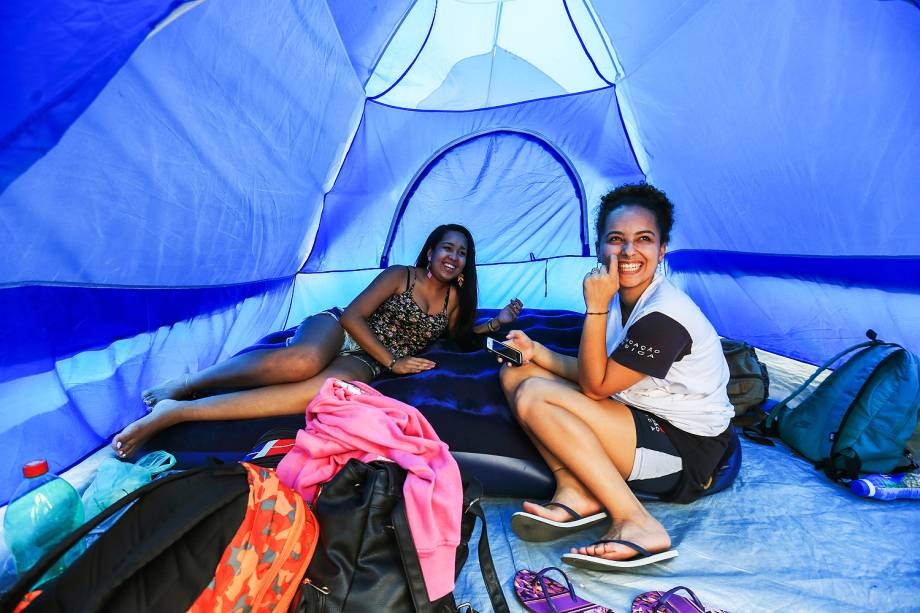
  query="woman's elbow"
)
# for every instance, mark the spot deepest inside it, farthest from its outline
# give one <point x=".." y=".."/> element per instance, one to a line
<point x="591" y="391"/>
<point x="598" y="391"/>
<point x="349" y="319"/>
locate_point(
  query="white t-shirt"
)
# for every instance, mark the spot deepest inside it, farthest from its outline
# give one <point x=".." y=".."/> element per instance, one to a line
<point x="669" y="339"/>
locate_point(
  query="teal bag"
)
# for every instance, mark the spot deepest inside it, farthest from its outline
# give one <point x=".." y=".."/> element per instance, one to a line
<point x="116" y="478"/>
<point x="860" y="418"/>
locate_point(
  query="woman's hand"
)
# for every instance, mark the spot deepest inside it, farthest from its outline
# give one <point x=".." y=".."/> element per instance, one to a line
<point x="600" y="285"/>
<point x="410" y="365"/>
<point x="522" y="343"/>
<point x="510" y="312"/>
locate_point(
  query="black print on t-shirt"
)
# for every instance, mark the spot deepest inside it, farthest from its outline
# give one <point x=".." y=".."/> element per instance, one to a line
<point x="652" y="345"/>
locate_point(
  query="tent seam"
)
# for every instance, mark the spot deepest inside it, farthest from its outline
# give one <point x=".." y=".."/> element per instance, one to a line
<point x="569" y="167"/>
<point x="415" y="59"/>
<point x="491" y="108"/>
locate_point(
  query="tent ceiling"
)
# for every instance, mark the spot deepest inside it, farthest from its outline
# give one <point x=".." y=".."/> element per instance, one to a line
<point x="471" y="54"/>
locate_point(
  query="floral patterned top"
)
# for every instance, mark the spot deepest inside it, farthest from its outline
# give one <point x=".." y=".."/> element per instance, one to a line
<point x="401" y="324"/>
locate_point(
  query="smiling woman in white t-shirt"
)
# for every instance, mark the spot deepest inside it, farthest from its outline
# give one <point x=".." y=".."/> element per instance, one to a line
<point x="644" y="403"/>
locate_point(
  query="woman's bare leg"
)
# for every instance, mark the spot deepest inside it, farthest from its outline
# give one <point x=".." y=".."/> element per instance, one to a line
<point x="512" y="376"/>
<point x="268" y="401"/>
<point x="316" y="342"/>
<point x="596" y="441"/>
<point x="569" y="490"/>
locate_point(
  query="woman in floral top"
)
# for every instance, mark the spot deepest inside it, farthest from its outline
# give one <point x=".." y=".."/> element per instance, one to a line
<point x="398" y="315"/>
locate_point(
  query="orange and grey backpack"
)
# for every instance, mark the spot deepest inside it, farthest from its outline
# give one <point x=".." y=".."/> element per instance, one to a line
<point x="215" y="539"/>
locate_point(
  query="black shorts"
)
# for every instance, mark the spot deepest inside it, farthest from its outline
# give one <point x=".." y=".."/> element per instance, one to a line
<point x="657" y="466"/>
<point x="671" y="462"/>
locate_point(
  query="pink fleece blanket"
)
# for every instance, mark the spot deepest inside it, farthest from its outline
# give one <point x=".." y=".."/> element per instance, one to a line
<point x="353" y="420"/>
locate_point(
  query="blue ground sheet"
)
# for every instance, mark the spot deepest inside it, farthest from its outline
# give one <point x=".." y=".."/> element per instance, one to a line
<point x="781" y="538"/>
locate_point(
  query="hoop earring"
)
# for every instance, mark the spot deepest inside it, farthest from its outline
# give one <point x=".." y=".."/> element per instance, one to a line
<point x="460" y="280"/>
<point x="428" y="268"/>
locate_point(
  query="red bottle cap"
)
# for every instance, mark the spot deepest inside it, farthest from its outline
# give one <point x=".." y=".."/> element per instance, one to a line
<point x="35" y="468"/>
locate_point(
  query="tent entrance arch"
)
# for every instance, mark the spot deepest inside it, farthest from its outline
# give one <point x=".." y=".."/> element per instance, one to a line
<point x="517" y="193"/>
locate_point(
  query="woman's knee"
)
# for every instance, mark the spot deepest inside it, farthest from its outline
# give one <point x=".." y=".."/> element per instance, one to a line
<point x="295" y="363"/>
<point x="530" y="394"/>
<point x="512" y="376"/>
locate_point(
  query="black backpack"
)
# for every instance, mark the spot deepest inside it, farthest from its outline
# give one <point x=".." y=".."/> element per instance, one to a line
<point x="366" y="561"/>
<point x="158" y="555"/>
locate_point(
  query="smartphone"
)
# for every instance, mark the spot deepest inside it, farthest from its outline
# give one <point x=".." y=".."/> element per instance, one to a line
<point x="505" y="351"/>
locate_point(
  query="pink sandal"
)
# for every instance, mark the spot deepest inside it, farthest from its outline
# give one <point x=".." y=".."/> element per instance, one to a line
<point x="541" y="594"/>
<point x="670" y="602"/>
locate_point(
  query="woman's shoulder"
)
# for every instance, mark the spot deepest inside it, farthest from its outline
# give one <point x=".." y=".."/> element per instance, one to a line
<point x="670" y="300"/>
<point x="399" y="275"/>
<point x="398" y="269"/>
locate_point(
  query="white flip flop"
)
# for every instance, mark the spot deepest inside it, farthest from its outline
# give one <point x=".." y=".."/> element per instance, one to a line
<point x="642" y="558"/>
<point x="530" y="527"/>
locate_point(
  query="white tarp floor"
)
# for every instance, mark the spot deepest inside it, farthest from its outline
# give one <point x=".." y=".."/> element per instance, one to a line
<point x="781" y="538"/>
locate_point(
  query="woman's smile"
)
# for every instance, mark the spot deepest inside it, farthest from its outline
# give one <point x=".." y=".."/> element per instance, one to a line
<point x="631" y="235"/>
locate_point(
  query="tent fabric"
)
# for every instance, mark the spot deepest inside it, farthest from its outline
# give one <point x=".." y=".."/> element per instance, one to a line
<point x="788" y="150"/>
<point x="367" y="29"/>
<point x="54" y="58"/>
<point x="509" y="52"/>
<point x="803" y="307"/>
<point x="516" y="185"/>
<point x="392" y="145"/>
<point x="63" y="405"/>
<point x="196" y="160"/>
<point x="40" y="324"/>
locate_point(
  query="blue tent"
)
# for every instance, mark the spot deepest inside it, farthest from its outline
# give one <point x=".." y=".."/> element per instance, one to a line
<point x="177" y="179"/>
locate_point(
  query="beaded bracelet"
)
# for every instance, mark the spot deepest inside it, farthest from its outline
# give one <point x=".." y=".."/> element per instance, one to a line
<point x="391" y="364"/>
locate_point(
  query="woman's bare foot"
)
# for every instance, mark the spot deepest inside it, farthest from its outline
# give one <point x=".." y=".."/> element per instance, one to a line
<point x="648" y="533"/>
<point x="174" y="389"/>
<point x="135" y="434"/>
<point x="570" y="493"/>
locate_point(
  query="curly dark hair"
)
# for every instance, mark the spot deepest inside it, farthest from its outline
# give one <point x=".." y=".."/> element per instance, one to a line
<point x="638" y="194"/>
<point x="468" y="295"/>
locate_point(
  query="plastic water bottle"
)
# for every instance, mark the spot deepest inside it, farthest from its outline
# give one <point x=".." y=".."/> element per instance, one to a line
<point x="45" y="509"/>
<point x="888" y="487"/>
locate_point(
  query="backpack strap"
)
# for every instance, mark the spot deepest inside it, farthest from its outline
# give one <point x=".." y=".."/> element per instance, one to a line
<point x="409" y="556"/>
<point x="493" y="585"/>
<point x="769" y="425"/>
<point x="413" y="569"/>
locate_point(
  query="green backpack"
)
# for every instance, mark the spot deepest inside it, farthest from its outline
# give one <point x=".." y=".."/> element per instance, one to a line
<point x="748" y="384"/>
<point x="860" y="418"/>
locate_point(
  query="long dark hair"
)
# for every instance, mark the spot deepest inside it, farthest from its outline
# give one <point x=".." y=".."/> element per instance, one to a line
<point x="468" y="295"/>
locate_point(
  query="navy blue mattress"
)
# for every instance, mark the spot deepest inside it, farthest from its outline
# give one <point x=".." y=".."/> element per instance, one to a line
<point x="462" y="400"/>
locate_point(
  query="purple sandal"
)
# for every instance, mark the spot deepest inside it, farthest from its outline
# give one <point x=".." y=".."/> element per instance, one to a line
<point x="540" y="594"/>
<point x="670" y="602"/>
